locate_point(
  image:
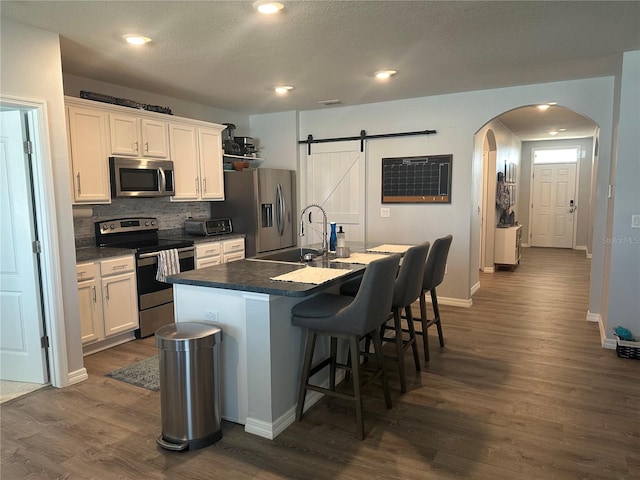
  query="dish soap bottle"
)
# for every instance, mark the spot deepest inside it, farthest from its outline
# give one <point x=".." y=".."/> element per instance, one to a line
<point x="341" y="240"/>
<point x="333" y="238"/>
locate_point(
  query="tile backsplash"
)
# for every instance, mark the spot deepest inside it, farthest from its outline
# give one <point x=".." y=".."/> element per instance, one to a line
<point x="170" y="215"/>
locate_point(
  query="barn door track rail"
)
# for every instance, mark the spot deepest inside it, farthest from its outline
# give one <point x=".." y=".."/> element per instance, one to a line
<point x="363" y="136"/>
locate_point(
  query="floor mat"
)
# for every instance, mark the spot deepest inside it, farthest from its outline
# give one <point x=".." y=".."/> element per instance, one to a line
<point x="145" y="373"/>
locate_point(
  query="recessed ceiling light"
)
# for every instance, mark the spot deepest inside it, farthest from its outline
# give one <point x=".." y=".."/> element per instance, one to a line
<point x="553" y="132"/>
<point x="282" y="89"/>
<point x="267" y="7"/>
<point x="384" y="74"/>
<point x="544" y="106"/>
<point x="134" y="39"/>
<point x="333" y="101"/>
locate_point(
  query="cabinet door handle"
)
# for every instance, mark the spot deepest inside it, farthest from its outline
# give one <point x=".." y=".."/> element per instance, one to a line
<point x="135" y="146"/>
<point x="106" y="292"/>
<point x="197" y="185"/>
<point x="204" y="185"/>
<point x="78" y="177"/>
<point x="146" y="147"/>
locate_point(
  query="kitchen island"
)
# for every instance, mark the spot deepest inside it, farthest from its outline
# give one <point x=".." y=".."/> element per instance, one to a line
<point x="261" y="352"/>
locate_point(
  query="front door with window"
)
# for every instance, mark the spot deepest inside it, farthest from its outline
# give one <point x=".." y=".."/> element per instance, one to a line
<point x="553" y="205"/>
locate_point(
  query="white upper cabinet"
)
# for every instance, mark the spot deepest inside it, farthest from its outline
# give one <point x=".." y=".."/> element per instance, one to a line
<point x="184" y="153"/>
<point x="196" y="151"/>
<point x="88" y="152"/>
<point x="210" y="153"/>
<point x="98" y="130"/>
<point x="138" y="137"/>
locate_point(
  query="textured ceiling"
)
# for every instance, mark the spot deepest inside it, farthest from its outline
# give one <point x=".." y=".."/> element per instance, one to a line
<point x="226" y="55"/>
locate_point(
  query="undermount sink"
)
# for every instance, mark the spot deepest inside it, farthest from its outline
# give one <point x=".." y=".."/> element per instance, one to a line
<point x="290" y="255"/>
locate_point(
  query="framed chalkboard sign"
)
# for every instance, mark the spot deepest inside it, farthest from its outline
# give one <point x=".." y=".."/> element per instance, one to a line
<point x="423" y="179"/>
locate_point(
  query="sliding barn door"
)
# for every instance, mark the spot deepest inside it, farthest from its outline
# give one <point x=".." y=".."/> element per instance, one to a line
<point x="335" y="179"/>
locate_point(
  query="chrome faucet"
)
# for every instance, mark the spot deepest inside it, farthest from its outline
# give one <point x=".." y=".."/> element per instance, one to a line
<point x="325" y="244"/>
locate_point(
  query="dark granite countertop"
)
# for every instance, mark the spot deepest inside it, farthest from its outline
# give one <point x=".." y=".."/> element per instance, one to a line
<point x="88" y="254"/>
<point x="254" y="276"/>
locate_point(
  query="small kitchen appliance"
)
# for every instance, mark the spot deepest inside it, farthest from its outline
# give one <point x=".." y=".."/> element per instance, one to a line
<point x="208" y="227"/>
<point x="228" y="143"/>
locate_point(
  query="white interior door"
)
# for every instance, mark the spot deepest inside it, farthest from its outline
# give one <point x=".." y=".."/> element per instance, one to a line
<point x="553" y="205"/>
<point x="22" y="357"/>
<point x="335" y="179"/>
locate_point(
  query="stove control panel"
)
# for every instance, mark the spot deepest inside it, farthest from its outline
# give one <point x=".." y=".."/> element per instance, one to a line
<point x="124" y="225"/>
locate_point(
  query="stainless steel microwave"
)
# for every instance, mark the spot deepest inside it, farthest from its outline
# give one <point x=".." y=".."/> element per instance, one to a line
<point x="141" y="177"/>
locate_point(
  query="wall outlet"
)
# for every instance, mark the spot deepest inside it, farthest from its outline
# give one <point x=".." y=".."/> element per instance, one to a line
<point x="210" y="316"/>
<point x="635" y="221"/>
<point x="384" y="212"/>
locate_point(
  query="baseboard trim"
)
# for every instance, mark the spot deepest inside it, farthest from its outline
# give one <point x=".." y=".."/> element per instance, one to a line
<point x="593" y="317"/>
<point x="453" y="302"/>
<point x="608" y="343"/>
<point x="475" y="288"/>
<point x="77" y="376"/>
<point x="580" y="247"/>
<point x="271" y="430"/>
<point x="110" y="342"/>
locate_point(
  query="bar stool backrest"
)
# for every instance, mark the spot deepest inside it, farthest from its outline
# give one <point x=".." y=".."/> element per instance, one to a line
<point x="372" y="304"/>
<point x="408" y="285"/>
<point x="436" y="263"/>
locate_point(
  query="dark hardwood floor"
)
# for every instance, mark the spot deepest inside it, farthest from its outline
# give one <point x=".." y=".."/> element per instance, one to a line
<point x="522" y="390"/>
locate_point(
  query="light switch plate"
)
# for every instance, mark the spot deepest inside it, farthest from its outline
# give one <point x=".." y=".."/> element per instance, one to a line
<point x="384" y="212"/>
<point x="635" y="221"/>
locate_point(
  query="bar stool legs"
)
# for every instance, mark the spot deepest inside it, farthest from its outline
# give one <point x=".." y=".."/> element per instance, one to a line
<point x="353" y="366"/>
<point x="426" y="323"/>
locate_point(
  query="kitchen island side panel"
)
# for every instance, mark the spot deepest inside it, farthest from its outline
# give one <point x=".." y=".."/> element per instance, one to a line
<point x="261" y="354"/>
<point x="196" y="304"/>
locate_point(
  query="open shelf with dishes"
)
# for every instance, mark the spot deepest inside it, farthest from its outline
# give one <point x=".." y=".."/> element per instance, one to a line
<point x="229" y="160"/>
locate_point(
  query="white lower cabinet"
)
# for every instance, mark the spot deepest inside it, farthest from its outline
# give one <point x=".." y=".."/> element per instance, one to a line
<point x="232" y="250"/>
<point x="208" y="254"/>
<point x="90" y="302"/>
<point x="219" y="251"/>
<point x="108" y="298"/>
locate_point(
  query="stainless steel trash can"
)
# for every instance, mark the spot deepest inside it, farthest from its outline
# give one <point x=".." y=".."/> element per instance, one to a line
<point x="189" y="385"/>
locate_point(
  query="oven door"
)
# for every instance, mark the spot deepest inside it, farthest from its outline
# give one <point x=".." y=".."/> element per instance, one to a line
<point x="155" y="298"/>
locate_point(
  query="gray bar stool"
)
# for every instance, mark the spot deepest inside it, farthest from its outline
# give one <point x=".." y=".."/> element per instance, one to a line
<point x="433" y="276"/>
<point x="406" y="290"/>
<point x="351" y="318"/>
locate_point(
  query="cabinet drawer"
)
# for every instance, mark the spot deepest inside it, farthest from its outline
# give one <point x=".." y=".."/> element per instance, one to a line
<point x="209" y="249"/>
<point x="232" y="257"/>
<point x="208" y="262"/>
<point x="233" y="246"/>
<point x="117" y="265"/>
<point x="86" y="271"/>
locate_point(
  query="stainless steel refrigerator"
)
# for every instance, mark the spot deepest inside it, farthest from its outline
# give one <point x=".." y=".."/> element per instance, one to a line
<point x="261" y="204"/>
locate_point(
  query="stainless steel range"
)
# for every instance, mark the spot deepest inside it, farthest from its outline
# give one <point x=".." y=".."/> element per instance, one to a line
<point x="155" y="298"/>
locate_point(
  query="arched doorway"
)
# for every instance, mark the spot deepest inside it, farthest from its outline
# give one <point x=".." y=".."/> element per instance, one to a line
<point x="509" y="139"/>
